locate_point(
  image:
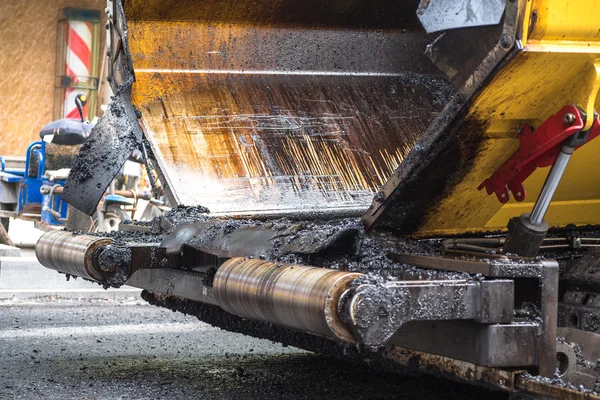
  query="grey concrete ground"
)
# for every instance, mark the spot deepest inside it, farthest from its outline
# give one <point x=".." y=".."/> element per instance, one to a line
<point x="127" y="350"/>
<point x="23" y="233"/>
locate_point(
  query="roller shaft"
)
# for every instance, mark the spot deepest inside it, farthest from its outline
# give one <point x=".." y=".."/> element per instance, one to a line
<point x="551" y="184"/>
<point x="69" y="253"/>
<point x="300" y="297"/>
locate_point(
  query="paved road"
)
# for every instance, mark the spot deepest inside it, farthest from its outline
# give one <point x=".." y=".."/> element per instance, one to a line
<point x="129" y="350"/>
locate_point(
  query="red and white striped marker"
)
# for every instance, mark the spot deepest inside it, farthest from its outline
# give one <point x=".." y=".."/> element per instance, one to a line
<point x="78" y="63"/>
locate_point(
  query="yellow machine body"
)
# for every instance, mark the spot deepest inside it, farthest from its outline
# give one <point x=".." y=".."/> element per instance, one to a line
<point x="269" y="108"/>
<point x="558" y="65"/>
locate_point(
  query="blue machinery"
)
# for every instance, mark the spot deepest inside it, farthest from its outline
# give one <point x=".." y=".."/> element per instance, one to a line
<point x="29" y="193"/>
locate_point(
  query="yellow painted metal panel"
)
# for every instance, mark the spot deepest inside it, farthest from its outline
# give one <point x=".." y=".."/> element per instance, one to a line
<point x="572" y="23"/>
<point x="557" y="67"/>
<point x="214" y="85"/>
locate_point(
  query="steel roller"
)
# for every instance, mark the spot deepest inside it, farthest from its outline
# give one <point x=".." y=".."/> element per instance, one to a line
<point x="72" y="254"/>
<point x="296" y="296"/>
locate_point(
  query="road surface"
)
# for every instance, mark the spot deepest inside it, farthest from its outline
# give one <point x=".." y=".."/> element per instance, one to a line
<point x="125" y="349"/>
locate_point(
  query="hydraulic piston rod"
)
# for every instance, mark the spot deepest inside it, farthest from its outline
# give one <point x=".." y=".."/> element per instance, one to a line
<point x="556" y="173"/>
<point x="526" y="233"/>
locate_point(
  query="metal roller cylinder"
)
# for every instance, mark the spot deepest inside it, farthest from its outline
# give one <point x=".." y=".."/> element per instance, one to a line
<point x="296" y="296"/>
<point x="72" y="254"/>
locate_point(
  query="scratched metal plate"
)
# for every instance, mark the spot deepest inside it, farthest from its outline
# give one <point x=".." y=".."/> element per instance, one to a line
<point x="281" y="115"/>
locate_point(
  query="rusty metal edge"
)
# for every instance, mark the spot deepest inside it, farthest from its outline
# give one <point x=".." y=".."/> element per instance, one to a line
<point x="503" y="379"/>
<point x="464" y="371"/>
<point x="530" y="385"/>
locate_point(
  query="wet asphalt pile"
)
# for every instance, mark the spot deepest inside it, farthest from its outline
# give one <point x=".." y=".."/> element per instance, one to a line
<point x="338" y="243"/>
<point x="129" y="350"/>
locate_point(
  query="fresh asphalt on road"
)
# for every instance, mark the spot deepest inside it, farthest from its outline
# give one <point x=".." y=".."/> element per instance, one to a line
<point x="125" y="349"/>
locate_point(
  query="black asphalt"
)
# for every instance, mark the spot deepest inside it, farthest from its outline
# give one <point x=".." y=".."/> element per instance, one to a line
<point x="129" y="350"/>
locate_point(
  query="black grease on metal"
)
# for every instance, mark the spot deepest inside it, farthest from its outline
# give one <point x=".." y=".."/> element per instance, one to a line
<point x="100" y="158"/>
<point x="115" y="263"/>
<point x="430" y="171"/>
<point x="271" y="240"/>
<point x="337" y="244"/>
<point x="123" y="238"/>
<point x="181" y="214"/>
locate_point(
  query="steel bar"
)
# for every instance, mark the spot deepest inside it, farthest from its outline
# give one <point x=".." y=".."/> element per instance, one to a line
<point x="297" y="296"/>
<point x="549" y="311"/>
<point x="376" y="312"/>
<point x="552" y="181"/>
<point x="487" y="242"/>
<point x="172" y="282"/>
<point x="490" y="345"/>
<point x="493" y="265"/>
<point x="471" y="247"/>
<point x="528" y="384"/>
<point x="462" y="370"/>
<point x="474" y="266"/>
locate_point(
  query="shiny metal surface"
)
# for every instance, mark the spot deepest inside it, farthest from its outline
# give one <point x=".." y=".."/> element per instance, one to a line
<point x="440" y="15"/>
<point x="556" y="173"/>
<point x="69" y="253"/>
<point x="279" y="108"/>
<point x="297" y="296"/>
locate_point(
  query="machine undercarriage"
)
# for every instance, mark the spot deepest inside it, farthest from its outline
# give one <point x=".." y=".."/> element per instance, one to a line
<point x="330" y="287"/>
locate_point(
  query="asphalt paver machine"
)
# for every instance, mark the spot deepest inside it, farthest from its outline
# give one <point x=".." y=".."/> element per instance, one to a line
<point x="410" y="182"/>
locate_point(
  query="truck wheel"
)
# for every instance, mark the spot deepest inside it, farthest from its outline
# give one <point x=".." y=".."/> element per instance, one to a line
<point x="78" y="221"/>
<point x="112" y="217"/>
